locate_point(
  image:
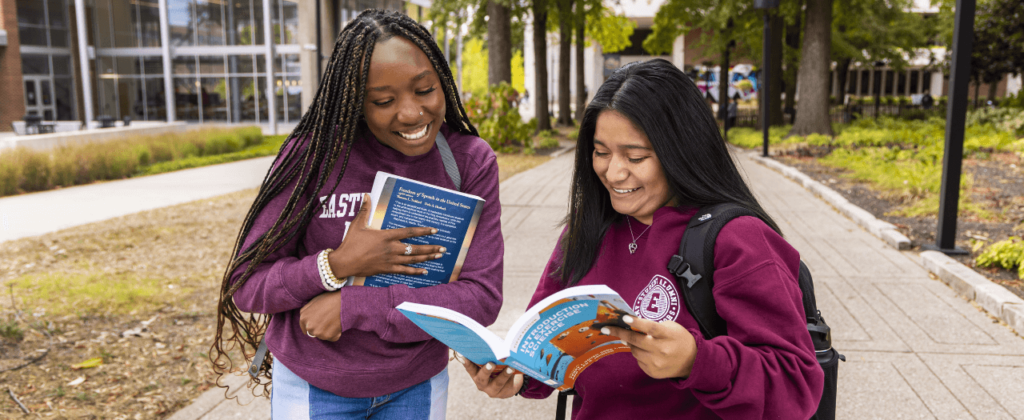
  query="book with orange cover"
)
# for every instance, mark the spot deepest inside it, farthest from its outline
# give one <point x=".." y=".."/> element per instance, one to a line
<point x="553" y="342"/>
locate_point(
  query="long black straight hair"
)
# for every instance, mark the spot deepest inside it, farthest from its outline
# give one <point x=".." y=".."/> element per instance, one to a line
<point x="662" y="102"/>
<point x="326" y="132"/>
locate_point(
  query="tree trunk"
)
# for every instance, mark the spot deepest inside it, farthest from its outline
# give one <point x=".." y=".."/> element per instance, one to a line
<point x="540" y="63"/>
<point x="793" y="42"/>
<point x="581" y="85"/>
<point x="564" y="51"/>
<point x="813" y="75"/>
<point x="992" y="90"/>
<point x="775" y="99"/>
<point x="499" y="44"/>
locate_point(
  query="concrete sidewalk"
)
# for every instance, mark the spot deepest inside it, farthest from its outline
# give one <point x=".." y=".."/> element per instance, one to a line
<point x="43" y="212"/>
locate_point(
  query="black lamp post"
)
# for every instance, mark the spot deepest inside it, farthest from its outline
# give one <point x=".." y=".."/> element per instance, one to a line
<point x="767" y="5"/>
<point x="956" y="110"/>
<point x="878" y="84"/>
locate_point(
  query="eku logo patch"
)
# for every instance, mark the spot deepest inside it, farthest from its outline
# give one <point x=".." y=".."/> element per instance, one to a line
<point x="658" y="301"/>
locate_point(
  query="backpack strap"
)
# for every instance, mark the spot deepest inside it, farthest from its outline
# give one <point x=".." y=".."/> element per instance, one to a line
<point x="694" y="265"/>
<point x="449" y="160"/>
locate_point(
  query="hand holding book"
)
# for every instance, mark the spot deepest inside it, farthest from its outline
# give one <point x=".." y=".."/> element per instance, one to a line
<point x="368" y="252"/>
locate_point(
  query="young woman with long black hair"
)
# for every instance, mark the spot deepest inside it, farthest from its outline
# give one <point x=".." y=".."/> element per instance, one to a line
<point x="345" y="352"/>
<point x="649" y="154"/>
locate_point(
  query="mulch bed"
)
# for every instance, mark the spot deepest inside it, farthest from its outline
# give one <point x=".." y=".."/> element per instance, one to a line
<point x="998" y="187"/>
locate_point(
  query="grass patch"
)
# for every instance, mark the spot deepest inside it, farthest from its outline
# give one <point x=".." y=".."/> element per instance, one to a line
<point x="511" y="164"/>
<point x="95" y="293"/>
<point x="10" y="330"/>
<point x="902" y="159"/>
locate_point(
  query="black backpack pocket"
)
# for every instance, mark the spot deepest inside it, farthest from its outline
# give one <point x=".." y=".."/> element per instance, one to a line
<point x="829" y="361"/>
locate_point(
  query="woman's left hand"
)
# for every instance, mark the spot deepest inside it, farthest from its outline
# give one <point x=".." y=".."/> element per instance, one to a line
<point x="663" y="349"/>
<point x="321" y="317"/>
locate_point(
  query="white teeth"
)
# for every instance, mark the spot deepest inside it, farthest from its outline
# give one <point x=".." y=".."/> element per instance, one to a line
<point x="625" y="191"/>
<point x="414" y="136"/>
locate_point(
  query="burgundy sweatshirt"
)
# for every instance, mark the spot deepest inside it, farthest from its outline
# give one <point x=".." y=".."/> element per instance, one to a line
<point x="764" y="368"/>
<point x="380" y="350"/>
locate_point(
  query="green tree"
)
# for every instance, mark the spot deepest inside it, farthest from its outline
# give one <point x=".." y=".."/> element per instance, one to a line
<point x="998" y="43"/>
<point x="867" y="31"/>
<point x="678" y="17"/>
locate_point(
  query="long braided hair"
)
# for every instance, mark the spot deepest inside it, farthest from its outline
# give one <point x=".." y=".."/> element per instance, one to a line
<point x="326" y="132"/>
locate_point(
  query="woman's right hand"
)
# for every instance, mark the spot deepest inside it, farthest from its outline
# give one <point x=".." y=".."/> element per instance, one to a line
<point x="367" y="252"/>
<point x="504" y="384"/>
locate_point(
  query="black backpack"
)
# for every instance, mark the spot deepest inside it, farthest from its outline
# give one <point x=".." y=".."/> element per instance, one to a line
<point x="693" y="268"/>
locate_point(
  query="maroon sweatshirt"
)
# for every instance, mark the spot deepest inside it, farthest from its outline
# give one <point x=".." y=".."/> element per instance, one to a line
<point x="380" y="350"/>
<point x="764" y="368"/>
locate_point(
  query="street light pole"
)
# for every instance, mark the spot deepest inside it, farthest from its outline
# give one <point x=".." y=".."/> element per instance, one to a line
<point x="956" y="110"/>
<point x="767" y="5"/>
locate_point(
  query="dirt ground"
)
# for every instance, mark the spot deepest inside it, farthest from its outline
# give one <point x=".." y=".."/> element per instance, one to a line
<point x="154" y="359"/>
<point x="998" y="187"/>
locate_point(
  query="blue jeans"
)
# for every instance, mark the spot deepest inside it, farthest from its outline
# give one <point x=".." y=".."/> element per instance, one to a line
<point x="292" y="398"/>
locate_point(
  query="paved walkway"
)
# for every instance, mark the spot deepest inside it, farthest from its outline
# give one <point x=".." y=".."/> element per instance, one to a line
<point x="915" y="349"/>
<point x="43" y="212"/>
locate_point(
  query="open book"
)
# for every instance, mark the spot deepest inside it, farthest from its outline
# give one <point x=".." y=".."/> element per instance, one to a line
<point x="552" y="342"/>
<point x="401" y="202"/>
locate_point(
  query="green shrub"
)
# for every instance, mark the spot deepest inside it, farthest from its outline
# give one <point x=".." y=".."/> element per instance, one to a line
<point x="10" y="174"/>
<point x="498" y="122"/>
<point x="750" y="138"/>
<point x="1013" y="101"/>
<point x="35" y="171"/>
<point x="250" y="136"/>
<point x="24" y="170"/>
<point x="1006" y="254"/>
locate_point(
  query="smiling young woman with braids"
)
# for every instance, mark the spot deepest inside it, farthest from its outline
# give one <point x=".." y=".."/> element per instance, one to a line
<point x="346" y="352"/>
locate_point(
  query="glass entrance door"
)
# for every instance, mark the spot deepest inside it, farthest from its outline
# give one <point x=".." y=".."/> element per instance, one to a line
<point x="39" y="97"/>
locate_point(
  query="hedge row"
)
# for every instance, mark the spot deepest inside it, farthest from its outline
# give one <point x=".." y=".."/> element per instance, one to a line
<point x="23" y="170"/>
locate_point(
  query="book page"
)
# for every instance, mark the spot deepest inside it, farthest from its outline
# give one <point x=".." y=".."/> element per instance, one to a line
<point x="554" y="341"/>
<point x="401" y="203"/>
<point x="457" y="331"/>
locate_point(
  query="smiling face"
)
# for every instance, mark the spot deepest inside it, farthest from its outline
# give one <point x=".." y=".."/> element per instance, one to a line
<point x="404" y="104"/>
<point x="625" y="162"/>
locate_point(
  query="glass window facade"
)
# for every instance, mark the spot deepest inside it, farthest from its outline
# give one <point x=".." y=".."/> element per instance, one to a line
<point x="209" y="82"/>
<point x="43" y="23"/>
<point x="47" y="72"/>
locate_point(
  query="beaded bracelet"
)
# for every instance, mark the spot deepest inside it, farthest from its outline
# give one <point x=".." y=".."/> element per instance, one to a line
<point x="327" y="277"/>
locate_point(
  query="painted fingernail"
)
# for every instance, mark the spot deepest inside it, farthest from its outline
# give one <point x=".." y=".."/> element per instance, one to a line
<point x="433" y="231"/>
<point x="627" y="319"/>
<point x="424" y="273"/>
<point x="489" y="366"/>
<point x="436" y="256"/>
<point x="443" y="249"/>
<point x="606" y="331"/>
<point x="508" y="371"/>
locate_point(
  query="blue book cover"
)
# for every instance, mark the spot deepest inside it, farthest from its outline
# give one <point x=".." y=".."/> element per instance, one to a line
<point x="401" y="202"/>
<point x="553" y="342"/>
